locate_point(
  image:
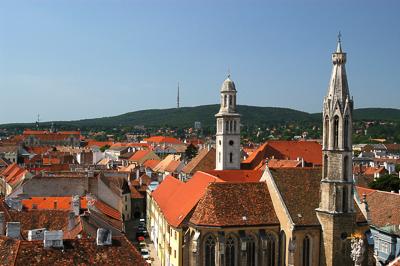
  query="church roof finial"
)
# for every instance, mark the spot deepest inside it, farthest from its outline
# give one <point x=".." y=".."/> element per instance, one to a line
<point x="229" y="72"/>
<point x="339" y="43"/>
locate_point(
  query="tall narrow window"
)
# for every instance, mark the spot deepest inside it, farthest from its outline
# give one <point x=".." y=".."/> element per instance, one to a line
<point x="345" y="168"/>
<point x="325" y="166"/>
<point x="346" y="132"/>
<point x="336" y="132"/>
<point x="270" y="250"/>
<point x="209" y="251"/>
<point x="282" y="237"/>
<point x="326" y="131"/>
<point x="224" y="100"/>
<point x="230" y="100"/>
<point x="219" y="157"/>
<point x="230" y="126"/>
<point x="345" y="199"/>
<point x="230" y="157"/>
<point x="230" y="251"/>
<point x="306" y="251"/>
<point x="251" y="251"/>
<point x="234" y="125"/>
<point x="227" y="126"/>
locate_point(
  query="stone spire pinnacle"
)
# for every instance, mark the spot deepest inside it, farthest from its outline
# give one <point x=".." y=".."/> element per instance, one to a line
<point x="339" y="43"/>
<point x="338" y="86"/>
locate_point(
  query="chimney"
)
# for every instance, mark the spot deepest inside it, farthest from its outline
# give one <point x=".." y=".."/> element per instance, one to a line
<point x="71" y="221"/>
<point x="104" y="237"/>
<point x="2" y="223"/>
<point x="13" y="230"/>
<point x="76" y="204"/>
<point x="36" y="234"/>
<point x="53" y="239"/>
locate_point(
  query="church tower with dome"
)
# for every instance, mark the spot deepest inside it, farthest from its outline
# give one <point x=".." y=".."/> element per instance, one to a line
<point x="228" y="129"/>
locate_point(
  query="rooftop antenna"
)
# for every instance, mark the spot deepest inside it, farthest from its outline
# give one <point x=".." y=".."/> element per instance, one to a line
<point x="177" y="98"/>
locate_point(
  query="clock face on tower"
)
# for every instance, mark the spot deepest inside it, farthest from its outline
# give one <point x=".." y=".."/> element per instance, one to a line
<point x="231" y="142"/>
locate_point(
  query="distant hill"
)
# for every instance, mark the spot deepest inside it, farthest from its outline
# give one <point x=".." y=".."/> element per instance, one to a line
<point x="186" y="116"/>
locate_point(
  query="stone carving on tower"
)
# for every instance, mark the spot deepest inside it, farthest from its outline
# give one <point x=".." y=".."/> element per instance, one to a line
<point x="336" y="209"/>
<point x="228" y="129"/>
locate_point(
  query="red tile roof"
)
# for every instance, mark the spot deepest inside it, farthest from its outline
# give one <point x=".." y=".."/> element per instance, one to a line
<point x="137" y="156"/>
<point x="204" y="161"/>
<point x="13" y="174"/>
<point x="275" y="163"/>
<point x="162" y="139"/>
<point x="300" y="191"/>
<point x="108" y="210"/>
<point x="151" y="163"/>
<point x="383" y="206"/>
<point x="49" y="203"/>
<point x="164" y="191"/>
<point x="237" y="175"/>
<point x="310" y="151"/>
<point x="248" y="204"/>
<point x="76" y="252"/>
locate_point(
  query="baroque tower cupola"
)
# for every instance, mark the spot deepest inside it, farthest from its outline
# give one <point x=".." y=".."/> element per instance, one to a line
<point x="228" y="129"/>
<point x="336" y="208"/>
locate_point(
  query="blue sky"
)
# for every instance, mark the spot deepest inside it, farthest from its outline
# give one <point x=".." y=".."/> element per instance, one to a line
<point x="80" y="59"/>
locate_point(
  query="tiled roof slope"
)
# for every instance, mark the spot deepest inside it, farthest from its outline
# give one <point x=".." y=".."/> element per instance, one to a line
<point x="8" y="250"/>
<point x="51" y="203"/>
<point x="299" y="188"/>
<point x="75" y="252"/>
<point x="310" y="151"/>
<point x="237" y="175"/>
<point x="383" y="207"/>
<point x="235" y="204"/>
<point x="165" y="190"/>
<point x="204" y="161"/>
<point x="162" y="139"/>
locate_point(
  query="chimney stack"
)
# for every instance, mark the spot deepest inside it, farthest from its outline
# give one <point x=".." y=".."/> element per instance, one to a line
<point x="36" y="234"/>
<point x="104" y="237"/>
<point x="76" y="204"/>
<point x="13" y="230"/>
<point x="71" y="221"/>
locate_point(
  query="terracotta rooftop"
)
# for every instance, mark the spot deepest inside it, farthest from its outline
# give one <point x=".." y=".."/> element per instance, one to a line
<point x="108" y="210"/>
<point x="75" y="252"/>
<point x="151" y="163"/>
<point x="388" y="214"/>
<point x="299" y="188"/>
<point x="276" y="163"/>
<point x="248" y="204"/>
<point x="162" y="139"/>
<point x="310" y="151"/>
<point x="51" y="203"/>
<point x="204" y="161"/>
<point x="237" y="175"/>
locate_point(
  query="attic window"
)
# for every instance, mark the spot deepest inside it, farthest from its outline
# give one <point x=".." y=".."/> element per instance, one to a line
<point x="244" y="218"/>
<point x="299" y="215"/>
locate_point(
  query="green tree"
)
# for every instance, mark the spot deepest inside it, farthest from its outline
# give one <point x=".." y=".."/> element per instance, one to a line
<point x="386" y="183"/>
<point x="190" y="152"/>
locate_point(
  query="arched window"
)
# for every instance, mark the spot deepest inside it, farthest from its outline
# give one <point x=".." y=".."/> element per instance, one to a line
<point x="227" y="126"/>
<point x="230" y="126"/>
<point x="234" y="125"/>
<point x="219" y="157"/>
<point x="230" y="100"/>
<point x="224" y="100"/>
<point x="336" y="132"/>
<point x="270" y="250"/>
<point x="345" y="200"/>
<point x="346" y="132"/>
<point x="230" y="251"/>
<point x="326" y="131"/>
<point x="282" y="237"/>
<point x="230" y="157"/>
<point x="325" y="166"/>
<point x="209" y="253"/>
<point x="306" y="251"/>
<point x="251" y="251"/>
